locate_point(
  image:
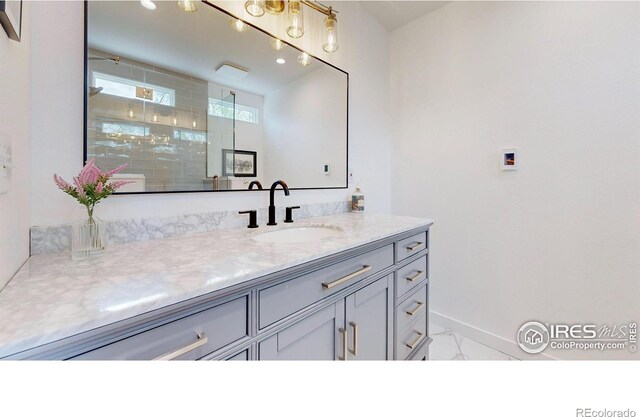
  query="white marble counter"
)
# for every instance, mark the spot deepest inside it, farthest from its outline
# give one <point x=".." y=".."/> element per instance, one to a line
<point x="52" y="297"/>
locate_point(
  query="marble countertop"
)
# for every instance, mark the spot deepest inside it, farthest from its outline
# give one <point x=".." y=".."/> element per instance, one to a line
<point x="52" y="297"/>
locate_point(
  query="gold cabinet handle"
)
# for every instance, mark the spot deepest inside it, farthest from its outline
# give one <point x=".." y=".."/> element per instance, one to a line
<point x="343" y="332"/>
<point x="328" y="285"/>
<point x="415" y="276"/>
<point x="415" y="246"/>
<point x="417" y="342"/>
<point x="201" y="341"/>
<point x="415" y="310"/>
<point x="355" y="338"/>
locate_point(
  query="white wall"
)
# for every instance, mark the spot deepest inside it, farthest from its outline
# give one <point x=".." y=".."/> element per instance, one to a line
<point x="14" y="132"/>
<point x="303" y="130"/>
<point x="57" y="58"/>
<point x="559" y="239"/>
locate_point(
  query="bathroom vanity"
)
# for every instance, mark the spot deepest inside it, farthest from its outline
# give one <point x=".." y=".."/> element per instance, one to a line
<point x="360" y="293"/>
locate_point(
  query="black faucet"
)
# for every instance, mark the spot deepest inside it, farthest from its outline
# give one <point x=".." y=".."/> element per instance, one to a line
<point x="256" y="183"/>
<point x="272" y="207"/>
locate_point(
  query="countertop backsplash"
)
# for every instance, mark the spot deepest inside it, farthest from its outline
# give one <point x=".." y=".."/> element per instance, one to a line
<point x="48" y="239"/>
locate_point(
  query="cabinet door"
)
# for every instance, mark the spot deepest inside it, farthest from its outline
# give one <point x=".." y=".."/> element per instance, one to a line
<point x="368" y="318"/>
<point x="317" y="337"/>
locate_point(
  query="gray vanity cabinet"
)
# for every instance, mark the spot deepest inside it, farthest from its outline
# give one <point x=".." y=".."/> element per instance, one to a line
<point x="316" y="337"/>
<point x="356" y="327"/>
<point x="368" y="319"/>
<point x="366" y="303"/>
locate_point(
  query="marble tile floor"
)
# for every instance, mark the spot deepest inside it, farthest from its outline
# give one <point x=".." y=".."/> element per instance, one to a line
<point x="448" y="345"/>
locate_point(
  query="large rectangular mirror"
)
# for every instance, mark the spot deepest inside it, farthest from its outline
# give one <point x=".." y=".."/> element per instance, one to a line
<point x="191" y="104"/>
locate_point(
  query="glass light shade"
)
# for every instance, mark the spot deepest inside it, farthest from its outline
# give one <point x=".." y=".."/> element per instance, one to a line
<point x="239" y="25"/>
<point x="295" y="20"/>
<point x="304" y="59"/>
<point x="274" y="6"/>
<point x="330" y="34"/>
<point x="254" y="7"/>
<point x="188" y="6"/>
<point x="277" y="44"/>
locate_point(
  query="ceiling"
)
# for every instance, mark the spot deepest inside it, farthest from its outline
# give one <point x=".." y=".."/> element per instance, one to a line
<point x="194" y="44"/>
<point x="394" y="14"/>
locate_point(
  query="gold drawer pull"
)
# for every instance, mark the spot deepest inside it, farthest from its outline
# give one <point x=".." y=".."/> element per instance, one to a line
<point x="415" y="246"/>
<point x="201" y="341"/>
<point x="328" y="285"/>
<point x="415" y="276"/>
<point x="344" y="344"/>
<point x="417" y="342"/>
<point x="415" y="310"/>
<point x="355" y="338"/>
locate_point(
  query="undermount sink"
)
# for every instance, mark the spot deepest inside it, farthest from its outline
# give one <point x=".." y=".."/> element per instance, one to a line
<point x="298" y="234"/>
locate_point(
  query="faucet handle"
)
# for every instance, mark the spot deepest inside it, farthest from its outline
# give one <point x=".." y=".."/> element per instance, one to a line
<point x="253" y="218"/>
<point x="289" y="212"/>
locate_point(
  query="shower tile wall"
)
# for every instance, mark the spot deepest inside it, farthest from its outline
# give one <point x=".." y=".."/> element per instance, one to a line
<point x="162" y="149"/>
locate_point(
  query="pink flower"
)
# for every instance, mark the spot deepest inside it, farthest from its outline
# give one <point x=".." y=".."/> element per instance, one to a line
<point x="109" y="174"/>
<point x="90" y="173"/>
<point x="99" y="188"/>
<point x="117" y="184"/>
<point x="79" y="187"/>
<point x="61" y="183"/>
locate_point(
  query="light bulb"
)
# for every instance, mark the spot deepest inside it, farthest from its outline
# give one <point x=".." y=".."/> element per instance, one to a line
<point x="304" y="59"/>
<point x="239" y="25"/>
<point x="254" y="7"/>
<point x="194" y="124"/>
<point x="277" y="44"/>
<point x="281" y="61"/>
<point x="148" y="4"/>
<point x="155" y="117"/>
<point x="188" y="6"/>
<point x="130" y="112"/>
<point x="330" y="34"/>
<point x="175" y="120"/>
<point x="295" y="20"/>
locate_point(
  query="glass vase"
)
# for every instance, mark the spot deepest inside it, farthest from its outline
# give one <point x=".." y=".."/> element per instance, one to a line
<point x="88" y="239"/>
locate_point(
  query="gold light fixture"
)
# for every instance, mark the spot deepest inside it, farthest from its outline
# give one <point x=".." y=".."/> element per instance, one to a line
<point x="330" y="33"/>
<point x="304" y="59"/>
<point x="255" y="7"/>
<point x="295" y="19"/>
<point x="274" y="7"/>
<point x="277" y="44"/>
<point x="189" y="6"/>
<point x="238" y="25"/>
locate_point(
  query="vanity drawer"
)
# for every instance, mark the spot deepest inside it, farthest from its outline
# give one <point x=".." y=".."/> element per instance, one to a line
<point x="191" y="337"/>
<point x="411" y="309"/>
<point x="410" y="339"/>
<point x="410" y="276"/>
<point x="288" y="297"/>
<point x="411" y="246"/>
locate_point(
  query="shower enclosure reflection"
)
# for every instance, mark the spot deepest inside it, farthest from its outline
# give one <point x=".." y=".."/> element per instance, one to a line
<point x="169" y="128"/>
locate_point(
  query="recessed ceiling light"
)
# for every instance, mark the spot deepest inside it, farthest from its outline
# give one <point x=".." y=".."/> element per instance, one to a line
<point x="148" y="4"/>
<point x="280" y="61"/>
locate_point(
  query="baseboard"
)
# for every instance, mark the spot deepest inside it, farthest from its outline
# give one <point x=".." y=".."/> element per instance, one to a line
<point x="510" y="347"/>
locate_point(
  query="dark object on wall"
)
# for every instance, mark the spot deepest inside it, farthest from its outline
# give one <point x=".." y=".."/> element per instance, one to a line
<point x="11" y="18"/>
<point x="239" y="163"/>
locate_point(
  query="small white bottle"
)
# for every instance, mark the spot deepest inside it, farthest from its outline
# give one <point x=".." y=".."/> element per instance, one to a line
<point x="357" y="201"/>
